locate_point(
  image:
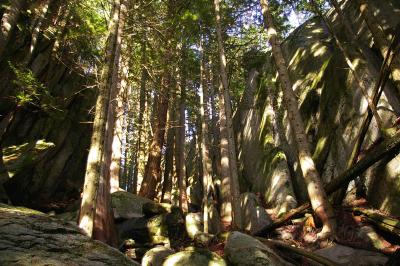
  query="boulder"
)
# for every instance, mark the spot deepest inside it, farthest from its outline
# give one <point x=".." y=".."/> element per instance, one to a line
<point x="344" y="255"/>
<point x="194" y="223"/>
<point x="29" y="237"/>
<point x="127" y="205"/>
<point x="167" y="228"/>
<point x="244" y="250"/>
<point x="156" y="256"/>
<point x="194" y="257"/>
<point x="254" y="216"/>
<point x="152" y="208"/>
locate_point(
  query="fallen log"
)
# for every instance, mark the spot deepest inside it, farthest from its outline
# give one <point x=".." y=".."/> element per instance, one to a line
<point x="383" y="222"/>
<point x="388" y="149"/>
<point x="299" y="251"/>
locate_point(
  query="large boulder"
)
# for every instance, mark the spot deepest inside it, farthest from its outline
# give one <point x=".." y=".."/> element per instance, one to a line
<point x="167" y="228"/>
<point x="194" y="257"/>
<point x="127" y="205"/>
<point x="156" y="256"/>
<point x="29" y="237"/>
<point x="254" y="216"/>
<point x="244" y="250"/>
<point x="343" y="255"/>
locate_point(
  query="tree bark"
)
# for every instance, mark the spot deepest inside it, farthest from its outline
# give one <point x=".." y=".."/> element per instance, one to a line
<point x="119" y="106"/>
<point x="181" y="135"/>
<point x="95" y="181"/>
<point x="316" y="192"/>
<point x="234" y="179"/>
<point x="142" y="109"/>
<point x="153" y="167"/>
<point x="205" y="143"/>
<point x="36" y="30"/>
<point x="8" y="23"/>
<point x="169" y="157"/>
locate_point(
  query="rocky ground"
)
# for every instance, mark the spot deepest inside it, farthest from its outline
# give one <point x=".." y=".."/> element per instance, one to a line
<point x="153" y="234"/>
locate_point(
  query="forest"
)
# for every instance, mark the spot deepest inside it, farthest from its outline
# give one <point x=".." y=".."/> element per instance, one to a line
<point x="200" y="132"/>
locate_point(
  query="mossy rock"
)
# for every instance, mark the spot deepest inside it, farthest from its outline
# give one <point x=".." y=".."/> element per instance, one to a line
<point x="244" y="250"/>
<point x="167" y="228"/>
<point x="127" y="205"/>
<point x="152" y="208"/>
<point x="194" y="257"/>
<point x="29" y="237"/>
<point x="19" y="157"/>
<point x="156" y="256"/>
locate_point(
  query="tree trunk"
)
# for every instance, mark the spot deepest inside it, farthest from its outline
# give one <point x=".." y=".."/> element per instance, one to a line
<point x="181" y="136"/>
<point x="152" y="174"/>
<point x="142" y="107"/>
<point x="234" y="179"/>
<point x="316" y="192"/>
<point x="95" y="181"/>
<point x="8" y="23"/>
<point x="169" y="157"/>
<point x="119" y="106"/>
<point x="36" y="30"/>
<point x="205" y="143"/>
<point x="226" y="204"/>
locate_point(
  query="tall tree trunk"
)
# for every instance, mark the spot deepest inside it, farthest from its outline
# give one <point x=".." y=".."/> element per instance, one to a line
<point x="181" y="135"/>
<point x="316" y="192"/>
<point x="95" y="181"/>
<point x="104" y="228"/>
<point x="153" y="167"/>
<point x="119" y="105"/>
<point x="8" y="23"/>
<point x="43" y="8"/>
<point x="205" y="143"/>
<point x="142" y="107"/>
<point x="381" y="39"/>
<point x="234" y="179"/>
<point x="226" y="204"/>
<point x="169" y="157"/>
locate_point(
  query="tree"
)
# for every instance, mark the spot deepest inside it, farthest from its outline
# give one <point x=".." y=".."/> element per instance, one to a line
<point x="95" y="214"/>
<point x="227" y="115"/>
<point x="180" y="134"/>
<point x="316" y="192"/>
<point x="9" y="22"/>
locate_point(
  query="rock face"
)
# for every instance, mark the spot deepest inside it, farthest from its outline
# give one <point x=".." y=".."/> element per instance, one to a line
<point x="194" y="257"/>
<point x="349" y="256"/>
<point x="254" y="216"/>
<point x="28" y="237"/>
<point x="244" y="250"/>
<point x="156" y="256"/>
<point x="332" y="108"/>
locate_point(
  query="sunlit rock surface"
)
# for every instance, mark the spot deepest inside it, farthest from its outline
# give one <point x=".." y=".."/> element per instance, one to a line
<point x="156" y="256"/>
<point x="29" y="237"/>
<point x="332" y="107"/>
<point x="194" y="257"/>
<point x="244" y="250"/>
<point x="253" y="214"/>
<point x="127" y="205"/>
